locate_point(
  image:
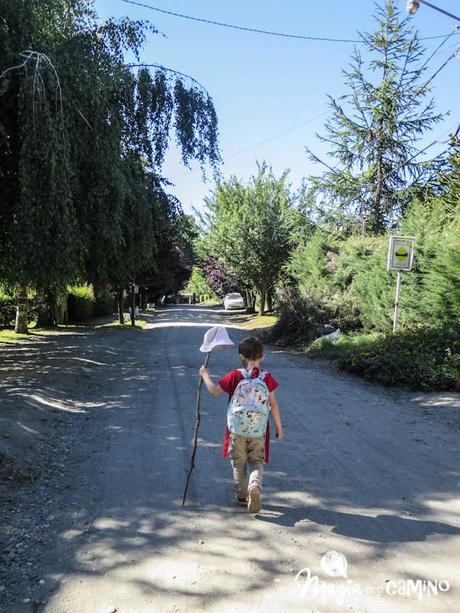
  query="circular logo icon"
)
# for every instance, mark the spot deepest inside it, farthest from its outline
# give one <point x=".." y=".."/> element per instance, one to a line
<point x="334" y="564"/>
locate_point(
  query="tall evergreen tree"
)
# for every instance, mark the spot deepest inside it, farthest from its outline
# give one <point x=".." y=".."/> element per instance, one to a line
<point x="373" y="129"/>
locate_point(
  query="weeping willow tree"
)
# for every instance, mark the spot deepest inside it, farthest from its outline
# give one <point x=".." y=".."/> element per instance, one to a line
<point x="81" y="135"/>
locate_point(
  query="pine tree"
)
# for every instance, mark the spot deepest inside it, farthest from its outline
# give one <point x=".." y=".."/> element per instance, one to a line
<point x="374" y="127"/>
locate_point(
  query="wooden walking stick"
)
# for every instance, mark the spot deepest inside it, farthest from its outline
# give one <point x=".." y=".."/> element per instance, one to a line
<point x="197" y="425"/>
<point x="215" y="337"/>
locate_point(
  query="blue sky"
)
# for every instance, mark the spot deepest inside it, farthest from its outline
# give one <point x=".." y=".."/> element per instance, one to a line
<point x="263" y="86"/>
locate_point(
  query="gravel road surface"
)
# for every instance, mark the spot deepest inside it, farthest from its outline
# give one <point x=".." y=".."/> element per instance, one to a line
<point x="369" y="473"/>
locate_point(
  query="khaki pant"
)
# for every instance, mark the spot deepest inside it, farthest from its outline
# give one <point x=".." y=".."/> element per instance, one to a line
<point x="247" y="455"/>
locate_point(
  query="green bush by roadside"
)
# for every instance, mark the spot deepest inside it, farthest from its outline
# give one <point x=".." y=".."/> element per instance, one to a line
<point x="104" y="303"/>
<point x="80" y="302"/>
<point x="423" y="358"/>
<point x="344" y="278"/>
<point x="7" y="312"/>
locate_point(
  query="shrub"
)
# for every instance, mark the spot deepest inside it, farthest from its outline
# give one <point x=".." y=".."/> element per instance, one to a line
<point x="441" y="281"/>
<point x="348" y="276"/>
<point x="7" y="312"/>
<point x="298" y="316"/>
<point x="333" y="350"/>
<point x="199" y="286"/>
<point x="326" y="267"/>
<point x="104" y="303"/>
<point x="80" y="302"/>
<point x="420" y="358"/>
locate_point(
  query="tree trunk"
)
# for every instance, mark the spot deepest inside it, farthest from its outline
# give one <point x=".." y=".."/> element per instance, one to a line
<point x="47" y="311"/>
<point x="53" y="310"/>
<point x="379" y="221"/>
<point x="133" y="305"/>
<point x="21" y="310"/>
<point x="250" y="302"/>
<point x="43" y="317"/>
<point x="121" y="311"/>
<point x="270" y="300"/>
<point x="263" y="297"/>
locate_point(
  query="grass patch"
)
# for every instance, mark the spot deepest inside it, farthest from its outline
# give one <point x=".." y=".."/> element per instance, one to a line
<point x="254" y="322"/>
<point x="340" y="348"/>
<point x="115" y="324"/>
<point x="10" y="336"/>
<point x="422" y="358"/>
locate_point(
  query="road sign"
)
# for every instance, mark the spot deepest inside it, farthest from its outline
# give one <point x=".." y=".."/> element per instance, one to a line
<point x="400" y="253"/>
<point x="400" y="257"/>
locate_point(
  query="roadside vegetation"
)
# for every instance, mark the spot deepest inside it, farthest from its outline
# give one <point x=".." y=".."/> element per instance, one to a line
<point x="86" y="216"/>
<point x="420" y="358"/>
<point x="255" y="321"/>
<point x="317" y="257"/>
<point x="88" y="227"/>
<point x="139" y="324"/>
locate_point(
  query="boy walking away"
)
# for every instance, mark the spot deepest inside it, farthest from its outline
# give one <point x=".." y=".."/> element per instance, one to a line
<point x="251" y="400"/>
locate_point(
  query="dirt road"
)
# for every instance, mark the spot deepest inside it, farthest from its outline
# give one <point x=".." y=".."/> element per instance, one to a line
<point x="368" y="473"/>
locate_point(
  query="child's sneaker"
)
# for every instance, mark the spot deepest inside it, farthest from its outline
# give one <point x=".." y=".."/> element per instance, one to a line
<point x="254" y="499"/>
<point x="243" y="501"/>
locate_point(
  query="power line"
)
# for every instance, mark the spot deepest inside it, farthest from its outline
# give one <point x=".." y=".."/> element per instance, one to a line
<point x="451" y="57"/>
<point x="270" y="138"/>
<point x="438" y="8"/>
<point x="242" y="28"/>
<point x="441" y="44"/>
<point x="257" y="30"/>
<point x="299" y="125"/>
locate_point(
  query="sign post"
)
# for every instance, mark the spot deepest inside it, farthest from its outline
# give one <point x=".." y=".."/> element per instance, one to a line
<point x="400" y="257"/>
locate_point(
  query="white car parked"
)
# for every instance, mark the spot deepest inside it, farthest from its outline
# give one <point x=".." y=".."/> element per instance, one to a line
<point x="233" y="301"/>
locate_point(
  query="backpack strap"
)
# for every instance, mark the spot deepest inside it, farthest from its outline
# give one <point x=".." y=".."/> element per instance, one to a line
<point x="262" y="374"/>
<point x="247" y="374"/>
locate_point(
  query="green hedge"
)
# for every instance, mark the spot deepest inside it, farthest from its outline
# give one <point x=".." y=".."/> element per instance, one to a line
<point x="348" y="277"/>
<point x="80" y="302"/>
<point x="422" y="358"/>
<point x="104" y="303"/>
<point x="7" y="312"/>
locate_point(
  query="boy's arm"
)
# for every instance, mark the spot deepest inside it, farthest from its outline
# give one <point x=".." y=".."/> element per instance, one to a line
<point x="275" y="412"/>
<point x="213" y="389"/>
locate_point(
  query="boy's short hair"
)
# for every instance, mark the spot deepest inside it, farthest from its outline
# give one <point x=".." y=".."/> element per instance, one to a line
<point x="251" y="348"/>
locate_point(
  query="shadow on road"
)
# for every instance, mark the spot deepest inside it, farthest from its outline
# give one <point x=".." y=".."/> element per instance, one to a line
<point x="378" y="529"/>
<point x="131" y="395"/>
